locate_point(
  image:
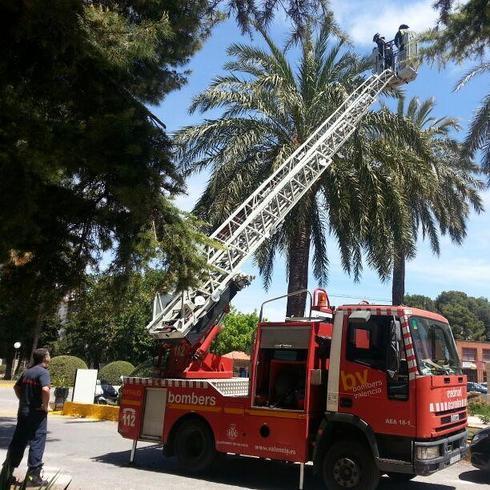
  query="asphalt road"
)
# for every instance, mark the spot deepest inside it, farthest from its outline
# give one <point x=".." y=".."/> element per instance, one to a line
<point x="94" y="456"/>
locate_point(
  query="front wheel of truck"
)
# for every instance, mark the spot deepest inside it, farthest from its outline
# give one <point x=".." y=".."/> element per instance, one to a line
<point x="194" y="446"/>
<point x="349" y="465"/>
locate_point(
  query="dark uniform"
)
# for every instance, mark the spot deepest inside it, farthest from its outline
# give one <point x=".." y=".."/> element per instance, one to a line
<point x="399" y="36"/>
<point x="31" y="419"/>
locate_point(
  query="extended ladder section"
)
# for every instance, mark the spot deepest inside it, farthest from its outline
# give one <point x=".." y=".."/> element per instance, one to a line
<point x="259" y="216"/>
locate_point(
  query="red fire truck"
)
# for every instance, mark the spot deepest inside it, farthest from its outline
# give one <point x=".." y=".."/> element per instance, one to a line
<point x="359" y="390"/>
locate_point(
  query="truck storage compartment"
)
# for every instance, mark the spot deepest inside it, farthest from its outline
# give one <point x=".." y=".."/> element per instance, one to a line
<point x="154" y="413"/>
<point x="281" y="367"/>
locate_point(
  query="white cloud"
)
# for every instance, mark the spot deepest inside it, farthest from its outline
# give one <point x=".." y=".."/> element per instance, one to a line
<point x="363" y="19"/>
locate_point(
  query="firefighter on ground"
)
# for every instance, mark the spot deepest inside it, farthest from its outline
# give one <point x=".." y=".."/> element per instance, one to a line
<point x="32" y="390"/>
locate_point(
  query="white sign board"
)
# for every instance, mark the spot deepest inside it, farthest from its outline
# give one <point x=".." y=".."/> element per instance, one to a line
<point x="84" y="389"/>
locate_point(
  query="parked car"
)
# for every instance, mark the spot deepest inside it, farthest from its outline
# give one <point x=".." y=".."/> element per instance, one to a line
<point x="480" y="450"/>
<point x="476" y="388"/>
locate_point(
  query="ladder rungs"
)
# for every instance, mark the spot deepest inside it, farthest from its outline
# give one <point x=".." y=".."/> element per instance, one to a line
<point x="252" y="222"/>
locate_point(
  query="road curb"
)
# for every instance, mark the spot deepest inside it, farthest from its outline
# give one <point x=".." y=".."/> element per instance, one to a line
<point x="91" y="411"/>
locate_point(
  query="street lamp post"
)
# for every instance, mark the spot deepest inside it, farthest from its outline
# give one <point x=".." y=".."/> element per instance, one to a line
<point x="17" y="346"/>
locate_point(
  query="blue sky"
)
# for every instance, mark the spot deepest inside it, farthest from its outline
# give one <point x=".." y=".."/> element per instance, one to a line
<point x="465" y="268"/>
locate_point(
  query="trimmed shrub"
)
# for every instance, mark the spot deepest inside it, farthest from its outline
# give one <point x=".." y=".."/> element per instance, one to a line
<point x="143" y="370"/>
<point x="113" y="371"/>
<point x="63" y="370"/>
<point x="478" y="406"/>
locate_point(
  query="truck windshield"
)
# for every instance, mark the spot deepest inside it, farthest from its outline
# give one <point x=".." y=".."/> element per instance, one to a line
<point x="434" y="346"/>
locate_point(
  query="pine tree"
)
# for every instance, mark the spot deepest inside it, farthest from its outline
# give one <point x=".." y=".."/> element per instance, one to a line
<point x="85" y="168"/>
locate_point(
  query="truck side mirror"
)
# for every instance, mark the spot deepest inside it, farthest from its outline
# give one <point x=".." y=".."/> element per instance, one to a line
<point x="393" y="350"/>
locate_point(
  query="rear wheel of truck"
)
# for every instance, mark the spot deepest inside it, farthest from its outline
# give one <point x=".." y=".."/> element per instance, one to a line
<point x="401" y="477"/>
<point x="349" y="464"/>
<point x="194" y="446"/>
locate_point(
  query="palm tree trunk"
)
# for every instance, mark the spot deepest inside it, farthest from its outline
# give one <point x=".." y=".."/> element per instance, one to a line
<point x="9" y="366"/>
<point x="398" y="285"/>
<point x="37" y="330"/>
<point x="299" y="254"/>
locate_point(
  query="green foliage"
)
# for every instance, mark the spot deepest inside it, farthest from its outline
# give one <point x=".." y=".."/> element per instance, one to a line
<point x="113" y="371"/>
<point x="107" y="318"/>
<point x="238" y="332"/>
<point x="143" y="370"/>
<point x="468" y="316"/>
<point x="478" y="137"/>
<point x="478" y="406"/>
<point x="419" y="301"/>
<point x="63" y="369"/>
<point x="464" y="322"/>
<point x="270" y="106"/>
<point x="301" y="13"/>
<point x="85" y="168"/>
<point x="463" y="32"/>
<point x="465" y="314"/>
<point x="463" y="35"/>
<point x="441" y="196"/>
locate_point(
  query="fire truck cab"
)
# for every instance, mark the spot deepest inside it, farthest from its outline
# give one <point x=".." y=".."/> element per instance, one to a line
<point x="359" y="390"/>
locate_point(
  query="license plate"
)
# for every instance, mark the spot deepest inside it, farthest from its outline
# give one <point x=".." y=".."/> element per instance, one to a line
<point x="455" y="459"/>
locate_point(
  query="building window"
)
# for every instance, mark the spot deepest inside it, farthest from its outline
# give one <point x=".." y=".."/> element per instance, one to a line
<point x="486" y="355"/>
<point x="469" y="354"/>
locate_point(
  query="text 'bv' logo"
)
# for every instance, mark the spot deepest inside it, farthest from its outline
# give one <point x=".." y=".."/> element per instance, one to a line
<point x="351" y="381"/>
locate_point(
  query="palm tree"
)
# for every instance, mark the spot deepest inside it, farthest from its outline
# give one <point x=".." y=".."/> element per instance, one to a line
<point x="478" y="137"/>
<point x="268" y="109"/>
<point x="440" y="202"/>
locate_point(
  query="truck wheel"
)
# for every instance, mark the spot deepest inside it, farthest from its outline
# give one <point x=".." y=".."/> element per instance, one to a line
<point x="349" y="464"/>
<point x="194" y="447"/>
<point x="401" y="477"/>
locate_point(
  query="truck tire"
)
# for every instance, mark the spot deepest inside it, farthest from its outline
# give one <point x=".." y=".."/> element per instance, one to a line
<point x="349" y="465"/>
<point x="401" y="477"/>
<point x="194" y="447"/>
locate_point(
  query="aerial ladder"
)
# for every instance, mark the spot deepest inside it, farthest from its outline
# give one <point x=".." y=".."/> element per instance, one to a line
<point x="187" y="322"/>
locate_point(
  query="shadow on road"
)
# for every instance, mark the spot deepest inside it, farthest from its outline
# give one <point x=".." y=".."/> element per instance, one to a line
<point x="475" y="476"/>
<point x="245" y="472"/>
<point x="7" y="428"/>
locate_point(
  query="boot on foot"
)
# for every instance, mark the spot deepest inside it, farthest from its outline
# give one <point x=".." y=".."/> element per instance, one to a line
<point x="34" y="478"/>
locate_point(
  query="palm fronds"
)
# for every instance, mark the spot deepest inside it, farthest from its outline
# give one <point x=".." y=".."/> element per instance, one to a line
<point x="478" y="137"/>
<point x="392" y="180"/>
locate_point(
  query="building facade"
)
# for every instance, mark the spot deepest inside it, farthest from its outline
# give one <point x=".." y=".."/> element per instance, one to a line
<point x="241" y="363"/>
<point x="474" y="356"/>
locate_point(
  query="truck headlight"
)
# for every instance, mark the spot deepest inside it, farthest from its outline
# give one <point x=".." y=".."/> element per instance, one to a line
<point x="428" y="452"/>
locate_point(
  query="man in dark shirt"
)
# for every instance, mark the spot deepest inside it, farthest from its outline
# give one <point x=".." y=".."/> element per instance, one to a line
<point x="32" y="390"/>
<point x="399" y="36"/>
